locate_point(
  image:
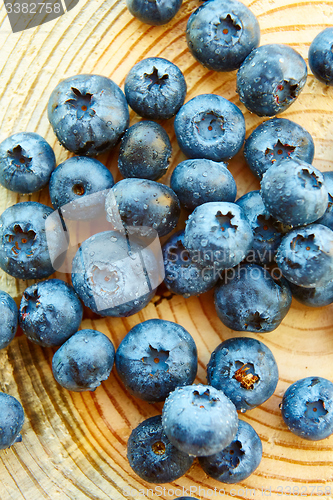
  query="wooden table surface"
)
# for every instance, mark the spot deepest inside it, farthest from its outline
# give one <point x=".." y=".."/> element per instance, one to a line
<point x="74" y="444"/>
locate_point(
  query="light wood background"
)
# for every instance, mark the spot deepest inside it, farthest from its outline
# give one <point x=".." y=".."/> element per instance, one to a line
<point x="74" y="444"/>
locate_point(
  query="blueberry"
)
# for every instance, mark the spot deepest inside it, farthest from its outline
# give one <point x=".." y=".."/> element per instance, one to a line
<point x="221" y="33"/>
<point x="83" y="361"/>
<point x="327" y="218"/>
<point x="142" y="202"/>
<point x="270" y="79"/>
<point x="321" y="56"/>
<point x="209" y="126"/>
<point x="24" y="251"/>
<point x="199" y="181"/>
<point x="199" y="420"/>
<point x="238" y="460"/>
<point x="318" y="296"/>
<point x="155" y="357"/>
<point x="275" y="140"/>
<point x="245" y="370"/>
<point x="307" y="408"/>
<point x="152" y="456"/>
<point x="9" y="318"/>
<point x="250" y="300"/>
<point x="305" y="256"/>
<point x="154" y="12"/>
<point x="155" y="88"/>
<point x="267" y="231"/>
<point x="114" y="275"/>
<point x="294" y="192"/>
<point x="74" y="180"/>
<point x="145" y="151"/>
<point x="11" y="420"/>
<point x="183" y="275"/>
<point x="26" y="162"/>
<point x="50" y="312"/>
<point x="218" y="234"/>
<point x="88" y="114"/>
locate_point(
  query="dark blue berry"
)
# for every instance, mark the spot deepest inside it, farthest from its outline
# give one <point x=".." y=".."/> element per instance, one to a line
<point x="183" y="275"/>
<point x="75" y="180"/>
<point x="11" y="420"/>
<point x="155" y="357"/>
<point x="50" y="312"/>
<point x="26" y="162"/>
<point x="152" y="456"/>
<point x="221" y="33"/>
<point x="9" y="319"/>
<point x="275" y="140"/>
<point x="307" y="408"/>
<point x="209" y="126"/>
<point x="270" y="79"/>
<point x="155" y="88"/>
<point x="218" y="234"/>
<point x="199" y="419"/>
<point x="88" y="114"/>
<point x="145" y="151"/>
<point x="250" y="300"/>
<point x="199" y="181"/>
<point x="294" y="192"/>
<point x="238" y="460"/>
<point x="83" y="361"/>
<point x="327" y="218"/>
<point x="245" y="370"/>
<point x="305" y="256"/>
<point x="318" y="296"/>
<point x="321" y="56"/>
<point x="142" y="202"/>
<point x="154" y="12"/>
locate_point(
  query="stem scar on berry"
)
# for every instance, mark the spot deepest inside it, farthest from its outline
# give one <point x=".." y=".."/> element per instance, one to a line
<point x="247" y="380"/>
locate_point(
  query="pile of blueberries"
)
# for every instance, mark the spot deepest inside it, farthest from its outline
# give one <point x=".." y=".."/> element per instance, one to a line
<point x="256" y="252"/>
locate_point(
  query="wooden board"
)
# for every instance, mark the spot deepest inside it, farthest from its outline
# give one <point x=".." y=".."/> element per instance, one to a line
<point x="74" y="445"/>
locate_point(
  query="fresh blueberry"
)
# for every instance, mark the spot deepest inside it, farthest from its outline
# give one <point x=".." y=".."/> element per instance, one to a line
<point x="275" y="140"/>
<point x="83" y="361"/>
<point x="74" y="180"/>
<point x="88" y="114"/>
<point x="245" y="370"/>
<point x="218" y="234"/>
<point x="294" y="192"/>
<point x="24" y="251"/>
<point x="114" y="275"/>
<point x="307" y="408"/>
<point x="221" y="33"/>
<point x="152" y="456"/>
<point x="199" y="419"/>
<point x="155" y="88"/>
<point x="238" y="460"/>
<point x="9" y="319"/>
<point x="270" y="79"/>
<point x="321" y="56"/>
<point x="155" y="357"/>
<point x="250" y="300"/>
<point x="186" y="498"/>
<point x="318" y="296"/>
<point x="11" y="420"/>
<point x="154" y="12"/>
<point x="327" y="218"/>
<point x="26" y="162"/>
<point x="183" y="275"/>
<point x="305" y="256"/>
<point x="50" y="312"/>
<point x="209" y="126"/>
<point x="142" y="202"/>
<point x="199" y="181"/>
<point x="145" y="151"/>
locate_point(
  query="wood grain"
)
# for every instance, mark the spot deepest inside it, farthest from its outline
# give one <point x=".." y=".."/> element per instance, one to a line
<point x="74" y="444"/>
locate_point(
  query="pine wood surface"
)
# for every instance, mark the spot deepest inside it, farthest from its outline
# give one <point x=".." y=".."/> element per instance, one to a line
<point x="74" y="444"/>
